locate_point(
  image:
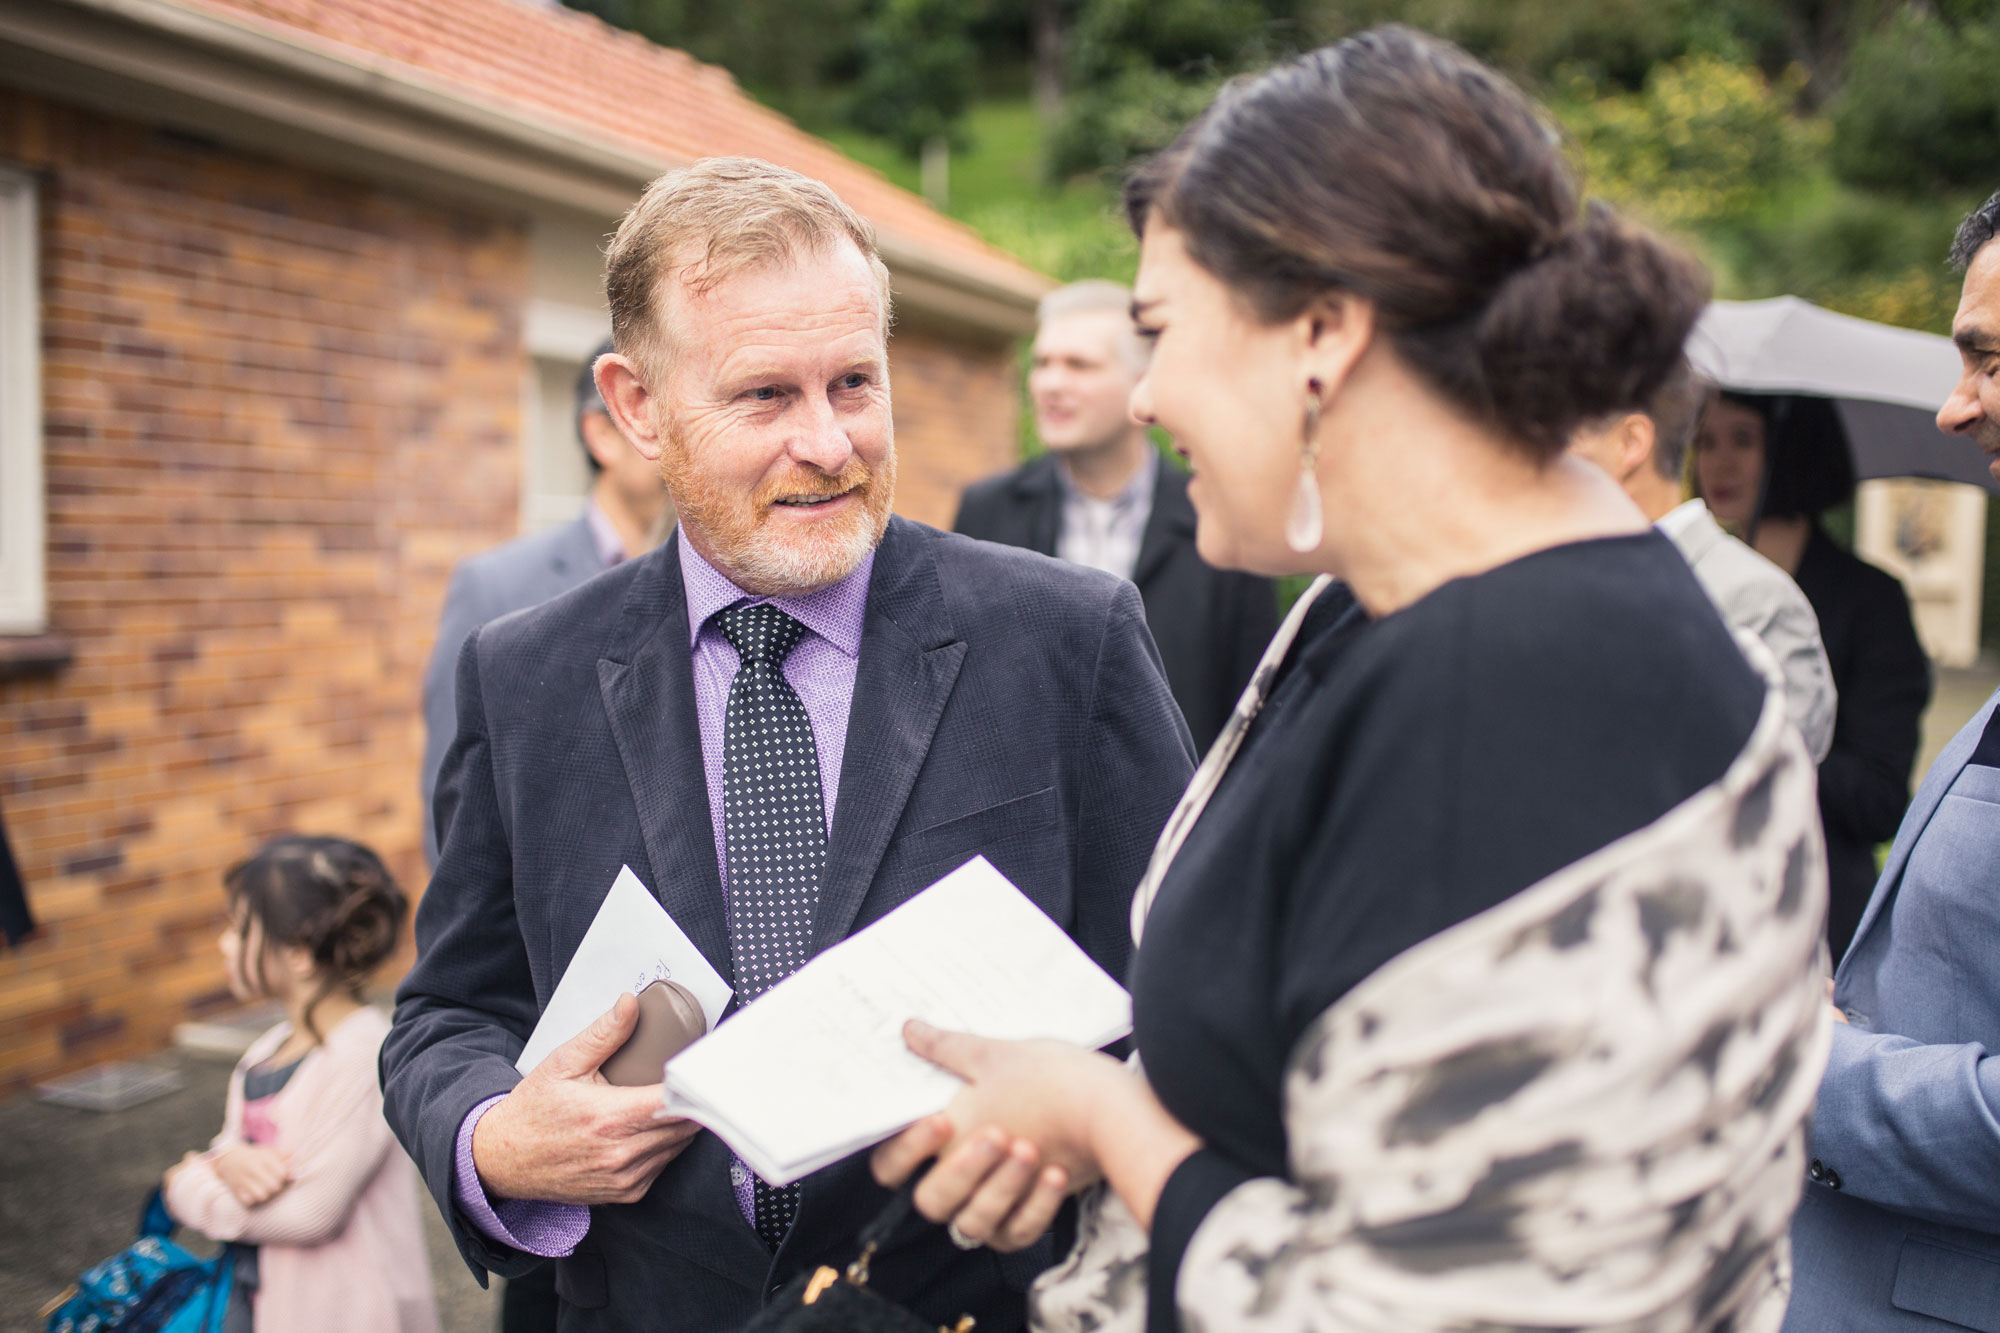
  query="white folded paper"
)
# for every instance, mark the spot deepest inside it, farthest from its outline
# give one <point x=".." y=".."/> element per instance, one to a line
<point x="631" y="944"/>
<point x="816" y="1068"/>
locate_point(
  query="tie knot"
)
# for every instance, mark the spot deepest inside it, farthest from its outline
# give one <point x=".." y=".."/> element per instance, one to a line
<point x="762" y="635"/>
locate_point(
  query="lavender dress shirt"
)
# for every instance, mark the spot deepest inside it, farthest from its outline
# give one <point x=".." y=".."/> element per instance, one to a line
<point x="821" y="668"/>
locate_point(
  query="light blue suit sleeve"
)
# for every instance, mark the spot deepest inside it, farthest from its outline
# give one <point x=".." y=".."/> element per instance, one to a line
<point x="467" y="606"/>
<point x="1911" y="1127"/>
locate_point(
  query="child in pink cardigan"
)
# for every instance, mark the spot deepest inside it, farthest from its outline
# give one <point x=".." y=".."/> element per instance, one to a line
<point x="305" y="1169"/>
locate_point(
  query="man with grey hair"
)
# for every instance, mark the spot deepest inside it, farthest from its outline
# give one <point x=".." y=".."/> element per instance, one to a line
<point x="1645" y="452"/>
<point x="795" y="715"/>
<point x="1103" y="497"/>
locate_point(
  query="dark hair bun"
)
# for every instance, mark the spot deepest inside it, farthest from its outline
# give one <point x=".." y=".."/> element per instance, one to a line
<point x="1397" y="168"/>
<point x="1592" y="327"/>
<point x="332" y="897"/>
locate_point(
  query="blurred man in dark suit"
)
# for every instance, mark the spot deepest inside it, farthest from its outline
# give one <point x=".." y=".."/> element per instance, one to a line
<point x="1103" y="497"/>
<point x="619" y="520"/>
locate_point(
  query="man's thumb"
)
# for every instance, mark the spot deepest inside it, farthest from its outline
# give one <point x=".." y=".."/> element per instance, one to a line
<point x="582" y="1054"/>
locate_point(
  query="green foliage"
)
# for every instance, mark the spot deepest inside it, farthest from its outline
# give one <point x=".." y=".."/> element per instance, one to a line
<point x="1704" y="140"/>
<point x="1136" y="114"/>
<point x="917" y="66"/>
<point x="1920" y="109"/>
<point x="1863" y="254"/>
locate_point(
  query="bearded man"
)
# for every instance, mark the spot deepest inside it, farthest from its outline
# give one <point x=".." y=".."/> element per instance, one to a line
<point x="797" y="679"/>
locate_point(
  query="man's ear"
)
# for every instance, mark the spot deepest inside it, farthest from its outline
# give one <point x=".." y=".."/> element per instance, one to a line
<point x="630" y="401"/>
<point x="1636" y="438"/>
<point x="1334" y="332"/>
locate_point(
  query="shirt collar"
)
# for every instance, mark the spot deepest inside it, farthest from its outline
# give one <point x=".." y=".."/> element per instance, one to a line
<point x="1676" y="521"/>
<point x="610" y="546"/>
<point x="836" y="612"/>
<point x="1135" y="493"/>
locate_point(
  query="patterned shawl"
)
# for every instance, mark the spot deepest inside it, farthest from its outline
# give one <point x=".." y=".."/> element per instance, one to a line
<point x="1582" y="1109"/>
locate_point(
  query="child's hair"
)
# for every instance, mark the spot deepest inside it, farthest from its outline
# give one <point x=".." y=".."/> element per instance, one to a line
<point x="330" y="896"/>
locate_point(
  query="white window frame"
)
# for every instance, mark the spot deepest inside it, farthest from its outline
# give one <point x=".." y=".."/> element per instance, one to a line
<point x="568" y="334"/>
<point x="23" y="567"/>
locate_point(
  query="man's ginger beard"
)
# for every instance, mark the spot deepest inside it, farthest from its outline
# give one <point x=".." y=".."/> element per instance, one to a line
<point x="757" y="556"/>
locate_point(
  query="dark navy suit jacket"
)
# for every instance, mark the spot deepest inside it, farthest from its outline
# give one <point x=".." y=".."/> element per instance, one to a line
<point x="1212" y="625"/>
<point x="1005" y="704"/>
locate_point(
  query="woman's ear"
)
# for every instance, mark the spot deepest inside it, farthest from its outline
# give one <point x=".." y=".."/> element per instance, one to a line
<point x="296" y="961"/>
<point x="1335" y="331"/>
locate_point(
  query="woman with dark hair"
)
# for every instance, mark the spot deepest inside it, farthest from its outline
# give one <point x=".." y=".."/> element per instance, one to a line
<point x="1770" y="466"/>
<point x="1478" y="984"/>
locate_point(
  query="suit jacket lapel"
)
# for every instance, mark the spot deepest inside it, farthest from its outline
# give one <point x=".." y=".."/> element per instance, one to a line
<point x="1170" y="524"/>
<point x="647" y="683"/>
<point x="1943" y="772"/>
<point x="910" y="657"/>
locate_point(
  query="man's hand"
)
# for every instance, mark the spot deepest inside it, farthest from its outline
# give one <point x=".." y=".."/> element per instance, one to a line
<point x="254" y="1175"/>
<point x="564" y="1135"/>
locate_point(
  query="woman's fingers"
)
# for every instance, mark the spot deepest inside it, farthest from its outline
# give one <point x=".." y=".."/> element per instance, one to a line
<point x="1005" y="1188"/>
<point x="959" y="1052"/>
<point x="893" y="1162"/>
<point x="949" y="1185"/>
<point x="1036" y="1214"/>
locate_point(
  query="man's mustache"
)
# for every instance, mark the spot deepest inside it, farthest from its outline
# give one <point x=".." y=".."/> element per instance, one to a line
<point x="809" y="483"/>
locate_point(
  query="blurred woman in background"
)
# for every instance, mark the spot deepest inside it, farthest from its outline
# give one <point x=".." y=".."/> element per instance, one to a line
<point x="1769" y="468"/>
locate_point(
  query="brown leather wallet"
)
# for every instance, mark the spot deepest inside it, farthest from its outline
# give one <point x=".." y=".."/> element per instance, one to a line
<point x="670" y="1019"/>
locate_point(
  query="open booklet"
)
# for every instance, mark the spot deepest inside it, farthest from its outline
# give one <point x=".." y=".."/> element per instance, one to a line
<point x="816" y="1068"/>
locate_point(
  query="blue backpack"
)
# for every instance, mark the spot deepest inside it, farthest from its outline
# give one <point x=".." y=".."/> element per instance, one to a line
<point x="151" y="1286"/>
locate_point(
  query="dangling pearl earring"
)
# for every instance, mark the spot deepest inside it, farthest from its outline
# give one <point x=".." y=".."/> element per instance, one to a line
<point x="1305" y="526"/>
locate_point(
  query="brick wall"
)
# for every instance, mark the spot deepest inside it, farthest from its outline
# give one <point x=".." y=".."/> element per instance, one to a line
<point x="957" y="407"/>
<point x="278" y="407"/>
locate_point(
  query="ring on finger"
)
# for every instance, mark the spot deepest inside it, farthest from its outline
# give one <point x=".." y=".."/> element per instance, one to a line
<point x="960" y="1239"/>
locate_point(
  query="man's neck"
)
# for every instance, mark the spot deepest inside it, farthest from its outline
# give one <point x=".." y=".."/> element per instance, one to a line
<point x="635" y="530"/>
<point x="1101" y="471"/>
<point x="1655" y="495"/>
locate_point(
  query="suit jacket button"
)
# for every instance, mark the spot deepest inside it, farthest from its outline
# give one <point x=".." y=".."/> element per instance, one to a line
<point x="1832" y="1179"/>
<point x="1817" y="1171"/>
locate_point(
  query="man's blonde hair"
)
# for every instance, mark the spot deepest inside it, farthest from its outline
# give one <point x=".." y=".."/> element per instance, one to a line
<point x="706" y="223"/>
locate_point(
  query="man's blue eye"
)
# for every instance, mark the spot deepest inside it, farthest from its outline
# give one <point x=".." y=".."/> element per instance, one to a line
<point x="764" y="394"/>
<point x="853" y="381"/>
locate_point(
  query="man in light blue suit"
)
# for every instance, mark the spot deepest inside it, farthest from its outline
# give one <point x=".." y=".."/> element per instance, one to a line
<point x="620" y="519"/>
<point x="1900" y="1226"/>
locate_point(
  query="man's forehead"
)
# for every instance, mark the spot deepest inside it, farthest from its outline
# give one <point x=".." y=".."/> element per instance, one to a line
<point x="1979" y="302"/>
<point x="1094" y="332"/>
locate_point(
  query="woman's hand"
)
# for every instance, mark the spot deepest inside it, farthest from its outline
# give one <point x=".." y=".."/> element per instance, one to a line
<point x="1013" y="1142"/>
<point x="254" y="1175"/>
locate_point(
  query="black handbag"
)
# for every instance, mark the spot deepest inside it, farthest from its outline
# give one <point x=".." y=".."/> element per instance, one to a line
<point x="828" y="1300"/>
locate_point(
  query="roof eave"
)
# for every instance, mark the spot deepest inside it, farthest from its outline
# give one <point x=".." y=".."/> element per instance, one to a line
<point x="275" y="91"/>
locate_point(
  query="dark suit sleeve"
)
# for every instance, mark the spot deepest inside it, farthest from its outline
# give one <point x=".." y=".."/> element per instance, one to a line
<point x="464" y="611"/>
<point x="465" y="1010"/>
<point x="1864" y="782"/>
<point x="975" y="514"/>
<point x="1137" y="759"/>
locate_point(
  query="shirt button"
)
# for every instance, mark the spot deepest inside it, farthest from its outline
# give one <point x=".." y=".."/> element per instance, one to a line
<point x="739" y="1175"/>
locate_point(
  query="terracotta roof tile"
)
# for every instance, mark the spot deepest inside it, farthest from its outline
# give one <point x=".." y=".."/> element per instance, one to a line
<point x="569" y="67"/>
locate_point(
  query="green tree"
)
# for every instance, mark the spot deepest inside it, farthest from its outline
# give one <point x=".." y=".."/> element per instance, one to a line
<point x="1703" y="141"/>
<point x="1919" y="111"/>
<point x="917" y="71"/>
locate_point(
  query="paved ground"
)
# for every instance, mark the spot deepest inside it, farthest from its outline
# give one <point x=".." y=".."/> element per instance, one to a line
<point x="71" y="1183"/>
